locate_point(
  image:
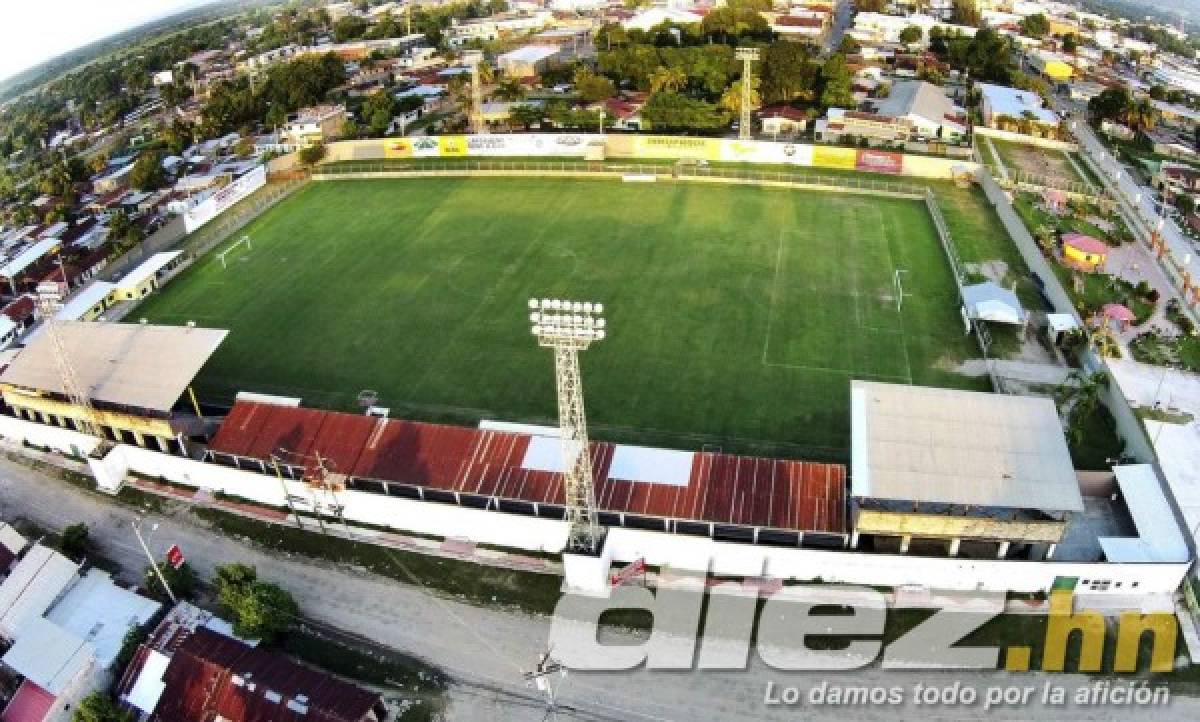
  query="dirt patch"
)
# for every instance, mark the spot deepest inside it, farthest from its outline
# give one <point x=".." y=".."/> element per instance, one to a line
<point x="994" y="271"/>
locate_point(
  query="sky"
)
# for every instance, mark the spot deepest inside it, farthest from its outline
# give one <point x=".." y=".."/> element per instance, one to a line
<point x="37" y="30"/>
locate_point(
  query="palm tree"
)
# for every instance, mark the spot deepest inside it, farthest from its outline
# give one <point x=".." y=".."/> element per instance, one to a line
<point x="667" y="79"/>
<point x="1141" y="114"/>
<point x="731" y="99"/>
<point x="1079" y="395"/>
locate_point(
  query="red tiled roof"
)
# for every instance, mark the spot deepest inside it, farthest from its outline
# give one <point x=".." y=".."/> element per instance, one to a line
<point x="791" y="21"/>
<point x="1118" y="312"/>
<point x="1087" y="244"/>
<point x="31" y="703"/>
<point x="20" y="309"/>
<point x="783" y="111"/>
<point x="212" y="676"/>
<point x="722" y="488"/>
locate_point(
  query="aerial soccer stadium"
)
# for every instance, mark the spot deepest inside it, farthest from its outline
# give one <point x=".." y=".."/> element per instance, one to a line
<point x="737" y="314"/>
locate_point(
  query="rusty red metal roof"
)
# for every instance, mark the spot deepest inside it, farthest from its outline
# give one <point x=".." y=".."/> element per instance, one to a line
<point x="722" y="488"/>
<point x="212" y="676"/>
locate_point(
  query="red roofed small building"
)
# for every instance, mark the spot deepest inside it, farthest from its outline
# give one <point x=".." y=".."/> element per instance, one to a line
<point x="807" y="29"/>
<point x="1084" y="252"/>
<point x="783" y="120"/>
<point x="1119" y="313"/>
<point x="191" y="670"/>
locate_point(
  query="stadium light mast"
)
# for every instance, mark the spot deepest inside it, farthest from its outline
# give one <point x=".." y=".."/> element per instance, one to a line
<point x="474" y="58"/>
<point x="49" y="301"/>
<point x="569" y="327"/>
<point x="747" y="56"/>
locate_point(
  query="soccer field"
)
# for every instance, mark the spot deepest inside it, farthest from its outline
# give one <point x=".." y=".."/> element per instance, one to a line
<point x="737" y="315"/>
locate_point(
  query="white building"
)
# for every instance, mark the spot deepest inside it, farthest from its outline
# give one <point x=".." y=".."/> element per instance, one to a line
<point x="926" y="108"/>
<point x="879" y="28"/>
<point x="1009" y="106"/>
<point x="655" y="16"/>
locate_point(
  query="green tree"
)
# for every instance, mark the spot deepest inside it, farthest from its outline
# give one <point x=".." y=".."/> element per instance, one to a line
<point x="313" y="154"/>
<point x="870" y="6"/>
<point x="259" y="610"/>
<point x="378" y="111"/>
<point x="1111" y="104"/>
<point x="788" y="72"/>
<point x="911" y="34"/>
<point x="592" y="87"/>
<point x="182" y="580"/>
<point x="350" y="27"/>
<point x="99" y="707"/>
<point x="1035" y="26"/>
<point x="837" y="85"/>
<point x="147" y="173"/>
<point x="74" y="541"/>
<point x="1070" y="43"/>
<point x="737" y="19"/>
<point x="670" y="80"/>
<point x="672" y="111"/>
<point x="731" y="99"/>
<point x="966" y="12"/>
<point x="526" y="115"/>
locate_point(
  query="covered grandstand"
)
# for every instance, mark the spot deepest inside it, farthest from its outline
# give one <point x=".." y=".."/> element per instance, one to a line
<point x="704" y="493"/>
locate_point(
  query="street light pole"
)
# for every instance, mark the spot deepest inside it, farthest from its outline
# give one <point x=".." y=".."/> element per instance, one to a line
<point x="137" y="531"/>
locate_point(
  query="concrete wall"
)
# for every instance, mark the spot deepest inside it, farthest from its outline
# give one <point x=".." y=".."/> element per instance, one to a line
<point x="617" y="146"/>
<point x="1047" y="143"/>
<point x="51" y="437"/>
<point x="727" y="558"/>
<point x="443" y="520"/>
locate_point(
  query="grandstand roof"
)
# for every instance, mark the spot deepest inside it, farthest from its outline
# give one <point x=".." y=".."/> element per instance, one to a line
<point x="134" y="365"/>
<point x="721" y="488"/>
<point x="921" y="444"/>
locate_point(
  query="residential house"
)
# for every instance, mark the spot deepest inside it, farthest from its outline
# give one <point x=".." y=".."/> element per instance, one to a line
<point x="531" y="60"/>
<point x="784" y="120"/>
<point x="1019" y="111"/>
<point x="192" y="669"/>
<point x="930" y="113"/>
<point x="316" y="124"/>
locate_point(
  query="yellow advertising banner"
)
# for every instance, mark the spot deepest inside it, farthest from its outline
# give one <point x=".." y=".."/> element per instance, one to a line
<point x="397" y="148"/>
<point x="620" y="146"/>
<point x="451" y="146"/>
<point x="830" y="157"/>
<point x="665" y="146"/>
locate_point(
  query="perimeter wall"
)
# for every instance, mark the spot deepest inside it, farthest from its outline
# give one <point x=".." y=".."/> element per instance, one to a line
<point x="623" y="545"/>
<point x="726" y="150"/>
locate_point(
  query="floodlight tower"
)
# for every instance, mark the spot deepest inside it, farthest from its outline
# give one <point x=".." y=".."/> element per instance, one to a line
<point x="474" y="59"/>
<point x="49" y="301"/>
<point x="569" y="327"/>
<point x="747" y="56"/>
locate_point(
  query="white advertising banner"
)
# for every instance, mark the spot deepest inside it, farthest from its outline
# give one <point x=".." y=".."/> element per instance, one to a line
<point x="757" y="151"/>
<point x="219" y="202"/>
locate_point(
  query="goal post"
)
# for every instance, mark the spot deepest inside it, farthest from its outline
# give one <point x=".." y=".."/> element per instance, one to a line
<point x="244" y="240"/>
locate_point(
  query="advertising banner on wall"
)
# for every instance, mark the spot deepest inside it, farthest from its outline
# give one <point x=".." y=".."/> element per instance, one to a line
<point x="427" y="147"/>
<point x="753" y="151"/>
<point x="880" y="161"/>
<point x="662" y="146"/>
<point x="830" y="157"/>
<point x="452" y="146"/>
<point x="397" y="148"/>
<point x="219" y="202"/>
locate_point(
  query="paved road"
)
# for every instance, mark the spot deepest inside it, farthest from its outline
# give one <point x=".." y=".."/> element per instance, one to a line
<point x="485" y="649"/>
<point x="843" y="16"/>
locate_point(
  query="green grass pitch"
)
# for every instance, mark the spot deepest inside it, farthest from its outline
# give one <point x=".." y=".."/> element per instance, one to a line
<point x="737" y="315"/>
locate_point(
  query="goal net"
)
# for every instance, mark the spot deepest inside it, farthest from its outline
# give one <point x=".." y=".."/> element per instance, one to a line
<point x="244" y="240"/>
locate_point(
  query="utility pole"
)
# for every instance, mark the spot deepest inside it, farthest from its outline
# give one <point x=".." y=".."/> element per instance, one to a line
<point x="747" y="56"/>
<point x="474" y="59"/>
<point x="283" y="485"/>
<point x="542" y="679"/>
<point x="137" y="531"/>
<point x="569" y="327"/>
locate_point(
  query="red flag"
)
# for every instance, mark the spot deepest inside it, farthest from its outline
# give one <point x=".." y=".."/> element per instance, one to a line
<point x="175" y="556"/>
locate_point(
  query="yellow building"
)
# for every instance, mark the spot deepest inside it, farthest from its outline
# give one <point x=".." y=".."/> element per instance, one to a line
<point x="137" y="378"/>
<point x="1054" y="67"/>
<point x="1084" y="252"/>
<point x="147" y="277"/>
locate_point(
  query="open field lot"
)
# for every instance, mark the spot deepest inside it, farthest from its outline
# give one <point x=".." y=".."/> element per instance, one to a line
<point x="738" y="315"/>
<point x="1056" y="166"/>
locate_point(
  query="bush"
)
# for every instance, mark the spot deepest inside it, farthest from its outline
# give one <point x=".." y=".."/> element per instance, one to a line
<point x="74" y="541"/>
<point x="182" y="580"/>
<point x="260" y="610"/>
<point x="312" y="155"/>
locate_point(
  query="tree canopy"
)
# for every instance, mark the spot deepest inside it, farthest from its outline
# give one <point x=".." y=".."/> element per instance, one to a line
<point x="259" y="610"/>
<point x="672" y="111"/>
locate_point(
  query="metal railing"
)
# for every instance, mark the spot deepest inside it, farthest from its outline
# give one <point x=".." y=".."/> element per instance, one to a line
<point x="399" y="168"/>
